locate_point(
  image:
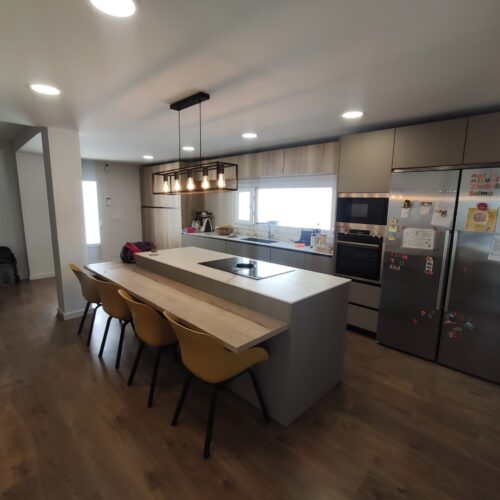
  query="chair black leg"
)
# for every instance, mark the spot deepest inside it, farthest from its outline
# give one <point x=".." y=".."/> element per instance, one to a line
<point x="84" y="317"/>
<point x="92" y="324"/>
<point x="153" y="379"/>
<point x="180" y="404"/>
<point x="120" y="343"/>
<point x="262" y="403"/>
<point x="136" y="362"/>
<point x="103" y="343"/>
<point x="210" y="423"/>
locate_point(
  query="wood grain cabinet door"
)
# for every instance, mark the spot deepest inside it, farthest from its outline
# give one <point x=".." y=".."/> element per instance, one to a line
<point x="162" y="226"/>
<point x="483" y="139"/>
<point x="264" y="164"/>
<point x="312" y="159"/>
<point x="430" y="144"/>
<point x="365" y="162"/>
<point x="156" y="200"/>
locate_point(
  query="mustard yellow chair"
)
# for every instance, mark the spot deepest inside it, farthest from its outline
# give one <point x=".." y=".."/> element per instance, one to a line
<point x="115" y="307"/>
<point x="207" y="359"/>
<point x="90" y="293"/>
<point x="153" y="330"/>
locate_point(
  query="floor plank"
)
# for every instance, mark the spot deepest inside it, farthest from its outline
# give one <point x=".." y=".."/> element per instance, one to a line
<point x="397" y="427"/>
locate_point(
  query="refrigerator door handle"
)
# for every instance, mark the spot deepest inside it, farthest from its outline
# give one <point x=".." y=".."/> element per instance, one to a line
<point x="443" y="270"/>
<point x="450" y="274"/>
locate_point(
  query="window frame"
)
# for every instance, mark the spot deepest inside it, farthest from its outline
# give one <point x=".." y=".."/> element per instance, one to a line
<point x="311" y="181"/>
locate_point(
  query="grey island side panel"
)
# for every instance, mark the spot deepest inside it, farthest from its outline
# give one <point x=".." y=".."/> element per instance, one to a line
<point x="305" y="362"/>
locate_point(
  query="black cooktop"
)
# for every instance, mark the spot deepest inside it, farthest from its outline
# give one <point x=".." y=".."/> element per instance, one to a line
<point x="255" y="269"/>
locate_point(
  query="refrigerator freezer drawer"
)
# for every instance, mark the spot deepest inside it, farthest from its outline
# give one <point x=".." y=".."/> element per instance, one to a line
<point x="362" y="318"/>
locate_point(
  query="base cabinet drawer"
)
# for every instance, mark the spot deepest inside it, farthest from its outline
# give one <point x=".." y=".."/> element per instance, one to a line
<point x="360" y="317"/>
<point x="318" y="263"/>
<point x="250" y="251"/>
<point x="287" y="258"/>
<point x="201" y="242"/>
<point x="364" y="294"/>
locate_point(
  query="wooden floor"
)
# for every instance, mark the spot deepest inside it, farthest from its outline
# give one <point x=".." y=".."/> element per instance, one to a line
<point x="398" y="427"/>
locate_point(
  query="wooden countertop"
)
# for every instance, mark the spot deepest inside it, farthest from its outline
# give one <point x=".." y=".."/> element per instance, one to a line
<point x="237" y="327"/>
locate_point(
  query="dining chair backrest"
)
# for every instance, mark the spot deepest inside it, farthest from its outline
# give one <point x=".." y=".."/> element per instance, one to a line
<point x="201" y="353"/>
<point x="150" y="326"/>
<point x="88" y="284"/>
<point x="112" y="303"/>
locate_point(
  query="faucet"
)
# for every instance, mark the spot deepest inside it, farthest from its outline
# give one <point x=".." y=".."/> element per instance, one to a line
<point x="269" y="235"/>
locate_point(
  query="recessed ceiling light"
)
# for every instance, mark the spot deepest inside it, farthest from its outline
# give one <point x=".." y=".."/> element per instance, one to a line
<point x="116" y="8"/>
<point x="42" y="88"/>
<point x="148" y="157"/>
<point x="352" y="114"/>
<point x="249" y="135"/>
<point x="187" y="148"/>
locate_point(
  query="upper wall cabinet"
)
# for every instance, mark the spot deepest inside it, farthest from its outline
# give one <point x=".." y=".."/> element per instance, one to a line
<point x="365" y="162"/>
<point x="483" y="139"/>
<point x="312" y="159"/>
<point x="264" y="164"/>
<point x="430" y="144"/>
<point x="157" y="200"/>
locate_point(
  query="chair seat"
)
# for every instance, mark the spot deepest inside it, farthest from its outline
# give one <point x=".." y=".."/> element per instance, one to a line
<point x="232" y="365"/>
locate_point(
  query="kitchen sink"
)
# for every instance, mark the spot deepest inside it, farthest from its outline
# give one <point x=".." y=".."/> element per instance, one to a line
<point x="259" y="240"/>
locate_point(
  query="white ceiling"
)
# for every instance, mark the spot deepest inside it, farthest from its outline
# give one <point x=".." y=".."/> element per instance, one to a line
<point x="284" y="68"/>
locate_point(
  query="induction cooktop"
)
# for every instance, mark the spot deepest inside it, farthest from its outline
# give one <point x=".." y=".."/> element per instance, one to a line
<point x="255" y="269"/>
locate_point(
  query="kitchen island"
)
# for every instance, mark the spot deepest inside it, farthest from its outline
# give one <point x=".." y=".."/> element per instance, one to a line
<point x="306" y="360"/>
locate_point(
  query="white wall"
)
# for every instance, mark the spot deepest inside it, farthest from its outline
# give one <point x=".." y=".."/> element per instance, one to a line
<point x="35" y="210"/>
<point x="120" y="222"/>
<point x="11" y="221"/>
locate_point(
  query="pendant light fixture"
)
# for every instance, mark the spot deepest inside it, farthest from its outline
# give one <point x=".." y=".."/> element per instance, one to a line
<point x="195" y="177"/>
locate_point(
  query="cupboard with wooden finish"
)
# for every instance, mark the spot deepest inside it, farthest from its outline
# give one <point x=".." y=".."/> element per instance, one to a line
<point x="312" y="159"/>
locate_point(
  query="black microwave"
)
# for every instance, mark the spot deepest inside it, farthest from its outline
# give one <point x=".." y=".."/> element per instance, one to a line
<point x="362" y="209"/>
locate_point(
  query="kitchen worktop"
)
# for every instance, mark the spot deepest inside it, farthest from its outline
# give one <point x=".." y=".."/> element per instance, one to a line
<point x="284" y="245"/>
<point x="289" y="288"/>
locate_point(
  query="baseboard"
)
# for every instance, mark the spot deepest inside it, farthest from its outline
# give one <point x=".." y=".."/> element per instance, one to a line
<point x="41" y="276"/>
<point x="69" y="315"/>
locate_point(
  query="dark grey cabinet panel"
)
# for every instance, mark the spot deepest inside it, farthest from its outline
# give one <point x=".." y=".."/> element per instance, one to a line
<point x="318" y="263"/>
<point x="250" y="251"/>
<point x="287" y="258"/>
<point x="365" y="162"/>
<point x="430" y="144"/>
<point x="483" y="139"/>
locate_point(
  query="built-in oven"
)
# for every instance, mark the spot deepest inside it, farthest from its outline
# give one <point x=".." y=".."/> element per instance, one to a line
<point x="362" y="208"/>
<point x="358" y="253"/>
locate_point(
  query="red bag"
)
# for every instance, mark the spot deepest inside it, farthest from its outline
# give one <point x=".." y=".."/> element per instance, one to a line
<point x="130" y="249"/>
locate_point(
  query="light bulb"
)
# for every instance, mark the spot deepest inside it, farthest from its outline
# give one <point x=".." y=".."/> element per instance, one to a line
<point x="205" y="183"/>
<point x="166" y="185"/>
<point x="221" y="180"/>
<point x="177" y="185"/>
<point x="190" y="183"/>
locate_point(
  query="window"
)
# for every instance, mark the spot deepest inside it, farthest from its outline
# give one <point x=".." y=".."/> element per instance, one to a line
<point x="305" y="202"/>
<point x="91" y="212"/>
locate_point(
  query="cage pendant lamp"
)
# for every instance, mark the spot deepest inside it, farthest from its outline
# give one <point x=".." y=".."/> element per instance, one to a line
<point x="195" y="176"/>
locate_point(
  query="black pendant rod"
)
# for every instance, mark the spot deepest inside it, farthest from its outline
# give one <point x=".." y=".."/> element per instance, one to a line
<point x="199" y="106"/>
<point x="179" y="126"/>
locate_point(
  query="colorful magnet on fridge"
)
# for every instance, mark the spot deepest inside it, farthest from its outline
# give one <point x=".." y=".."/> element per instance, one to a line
<point x="482" y="206"/>
<point x="469" y="326"/>
<point x="414" y="321"/>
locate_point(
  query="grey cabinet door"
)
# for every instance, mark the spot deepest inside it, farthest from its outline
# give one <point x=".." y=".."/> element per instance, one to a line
<point x="287" y="258"/>
<point x="251" y="251"/>
<point x="318" y="263"/>
<point x="213" y="244"/>
<point x="365" y="162"/>
<point x="430" y="144"/>
<point x="483" y="139"/>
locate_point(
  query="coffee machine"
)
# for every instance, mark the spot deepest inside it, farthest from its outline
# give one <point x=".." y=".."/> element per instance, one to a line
<point x="204" y="222"/>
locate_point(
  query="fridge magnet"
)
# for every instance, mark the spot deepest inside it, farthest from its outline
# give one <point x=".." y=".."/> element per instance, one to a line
<point x="391" y="237"/>
<point x="443" y="215"/>
<point x="429" y="266"/>
<point x="414" y="321"/>
<point x="425" y="207"/>
<point x="453" y="334"/>
<point x="393" y="228"/>
<point x="494" y="254"/>
<point x="469" y="326"/>
<point x="481" y="221"/>
<point x="419" y="238"/>
<point x="484" y="181"/>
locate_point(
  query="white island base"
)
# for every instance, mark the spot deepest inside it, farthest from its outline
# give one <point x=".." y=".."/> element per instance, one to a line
<point x="306" y="361"/>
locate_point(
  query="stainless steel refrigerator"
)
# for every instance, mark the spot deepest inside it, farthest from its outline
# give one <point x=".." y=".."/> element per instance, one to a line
<point x="440" y="296"/>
